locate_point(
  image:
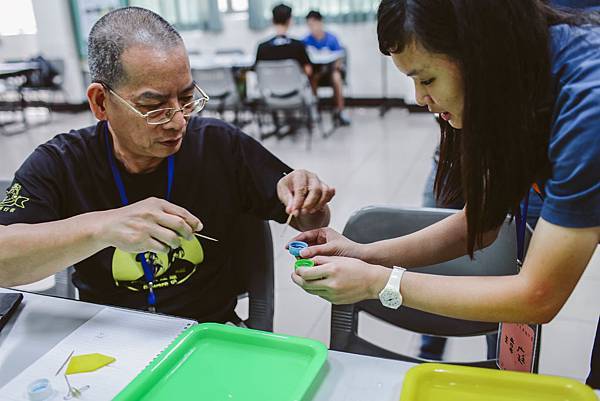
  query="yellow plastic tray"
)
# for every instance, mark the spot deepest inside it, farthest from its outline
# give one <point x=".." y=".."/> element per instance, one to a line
<point x="440" y="382"/>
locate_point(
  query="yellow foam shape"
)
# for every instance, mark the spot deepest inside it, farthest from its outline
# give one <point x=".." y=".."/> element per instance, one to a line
<point x="88" y="363"/>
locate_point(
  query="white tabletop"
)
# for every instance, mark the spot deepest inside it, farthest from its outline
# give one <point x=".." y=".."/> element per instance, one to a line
<point x="210" y="61"/>
<point x="324" y="56"/>
<point x="13" y="69"/>
<point x="41" y="322"/>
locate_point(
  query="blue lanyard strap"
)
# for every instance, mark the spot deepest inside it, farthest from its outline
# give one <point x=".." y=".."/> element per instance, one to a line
<point x="147" y="265"/>
<point x="521" y="220"/>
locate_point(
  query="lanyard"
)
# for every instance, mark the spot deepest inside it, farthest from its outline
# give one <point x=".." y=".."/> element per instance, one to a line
<point x="523" y="337"/>
<point x="521" y="223"/>
<point x="147" y="265"/>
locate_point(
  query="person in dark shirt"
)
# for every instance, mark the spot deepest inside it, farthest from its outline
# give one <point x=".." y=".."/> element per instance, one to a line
<point x="121" y="200"/>
<point x="282" y="47"/>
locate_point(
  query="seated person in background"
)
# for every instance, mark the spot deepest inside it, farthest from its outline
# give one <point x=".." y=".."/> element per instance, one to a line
<point x="91" y="197"/>
<point x="282" y="47"/>
<point x="326" y="74"/>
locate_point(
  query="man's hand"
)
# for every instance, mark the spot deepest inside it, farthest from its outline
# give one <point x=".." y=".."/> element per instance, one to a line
<point x="149" y="225"/>
<point x="342" y="280"/>
<point x="305" y="197"/>
<point x="328" y="242"/>
<point x="302" y="192"/>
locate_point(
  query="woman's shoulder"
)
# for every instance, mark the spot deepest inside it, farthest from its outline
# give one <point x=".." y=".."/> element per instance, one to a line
<point x="574" y="46"/>
<point x="573" y="190"/>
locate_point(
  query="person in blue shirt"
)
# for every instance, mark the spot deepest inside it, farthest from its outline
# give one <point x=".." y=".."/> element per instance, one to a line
<point x="332" y="74"/>
<point x="318" y="37"/>
<point x="433" y="347"/>
<point x="517" y="84"/>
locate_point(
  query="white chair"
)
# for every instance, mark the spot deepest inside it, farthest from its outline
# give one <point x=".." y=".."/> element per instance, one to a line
<point x="285" y="88"/>
<point x="220" y="86"/>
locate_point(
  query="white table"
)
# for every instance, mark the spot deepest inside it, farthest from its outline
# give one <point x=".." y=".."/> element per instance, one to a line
<point x="324" y="56"/>
<point x="221" y="61"/>
<point x="247" y="61"/>
<point x="41" y="322"/>
<point x="8" y="70"/>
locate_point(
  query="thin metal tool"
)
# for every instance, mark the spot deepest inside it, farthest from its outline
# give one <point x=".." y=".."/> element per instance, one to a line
<point x="74" y="392"/>
<point x="64" y="363"/>
<point x="205" y="237"/>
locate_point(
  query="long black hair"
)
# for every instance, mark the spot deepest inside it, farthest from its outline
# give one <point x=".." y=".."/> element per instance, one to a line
<point x="503" y="50"/>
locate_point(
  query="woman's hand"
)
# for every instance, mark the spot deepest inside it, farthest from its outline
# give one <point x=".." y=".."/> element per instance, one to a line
<point x="328" y="242"/>
<point x="342" y="280"/>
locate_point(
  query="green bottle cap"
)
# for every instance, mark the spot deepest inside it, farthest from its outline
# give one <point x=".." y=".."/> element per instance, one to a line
<point x="304" y="263"/>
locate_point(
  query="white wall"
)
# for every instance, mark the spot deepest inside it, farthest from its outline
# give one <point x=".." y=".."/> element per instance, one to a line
<point x="18" y="47"/>
<point x="56" y="40"/>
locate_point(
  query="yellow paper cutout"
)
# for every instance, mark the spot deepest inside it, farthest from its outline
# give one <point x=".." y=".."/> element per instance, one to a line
<point x="88" y="363"/>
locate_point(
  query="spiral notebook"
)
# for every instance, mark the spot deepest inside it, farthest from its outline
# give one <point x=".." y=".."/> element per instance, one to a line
<point x="133" y="338"/>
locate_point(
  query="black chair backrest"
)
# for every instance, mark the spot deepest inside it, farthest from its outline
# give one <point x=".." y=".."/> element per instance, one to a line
<point x="377" y="223"/>
<point x="256" y="279"/>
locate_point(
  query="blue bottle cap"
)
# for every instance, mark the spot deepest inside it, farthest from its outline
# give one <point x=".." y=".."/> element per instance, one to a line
<point x="40" y="390"/>
<point x="296" y="246"/>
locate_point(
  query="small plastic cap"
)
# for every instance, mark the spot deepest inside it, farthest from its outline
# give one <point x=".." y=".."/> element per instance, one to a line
<point x="304" y="263"/>
<point x="296" y="246"/>
<point x="40" y="390"/>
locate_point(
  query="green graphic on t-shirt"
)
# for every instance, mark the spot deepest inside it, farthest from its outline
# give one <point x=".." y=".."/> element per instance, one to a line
<point x="173" y="268"/>
<point x="13" y="200"/>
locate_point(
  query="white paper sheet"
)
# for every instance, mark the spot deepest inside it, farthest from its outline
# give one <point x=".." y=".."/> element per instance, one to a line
<point x="133" y="338"/>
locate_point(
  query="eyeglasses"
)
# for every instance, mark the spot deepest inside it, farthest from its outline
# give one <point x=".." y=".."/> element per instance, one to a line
<point x="163" y="116"/>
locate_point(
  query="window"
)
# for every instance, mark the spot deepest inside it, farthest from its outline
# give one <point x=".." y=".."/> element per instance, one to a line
<point x="17" y="17"/>
<point x="186" y="14"/>
<point x="233" y="6"/>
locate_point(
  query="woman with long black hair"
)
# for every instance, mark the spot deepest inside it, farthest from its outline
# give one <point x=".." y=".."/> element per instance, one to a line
<point x="517" y="84"/>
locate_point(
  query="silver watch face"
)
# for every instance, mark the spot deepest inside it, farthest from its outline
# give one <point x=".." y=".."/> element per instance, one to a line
<point x="390" y="298"/>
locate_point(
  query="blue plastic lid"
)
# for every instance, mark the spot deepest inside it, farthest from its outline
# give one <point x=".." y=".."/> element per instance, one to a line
<point x="296" y="246"/>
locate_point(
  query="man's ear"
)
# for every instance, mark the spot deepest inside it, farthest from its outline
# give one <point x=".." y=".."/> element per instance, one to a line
<point x="96" y="94"/>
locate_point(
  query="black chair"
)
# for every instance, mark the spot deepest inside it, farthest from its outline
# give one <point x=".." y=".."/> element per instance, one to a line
<point x="377" y="223"/>
<point x="46" y="82"/>
<point x="255" y="281"/>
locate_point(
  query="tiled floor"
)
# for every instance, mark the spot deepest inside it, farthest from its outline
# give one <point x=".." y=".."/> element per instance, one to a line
<point x="375" y="161"/>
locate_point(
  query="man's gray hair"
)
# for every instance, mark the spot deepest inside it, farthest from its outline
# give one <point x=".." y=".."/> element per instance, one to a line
<point x="120" y="29"/>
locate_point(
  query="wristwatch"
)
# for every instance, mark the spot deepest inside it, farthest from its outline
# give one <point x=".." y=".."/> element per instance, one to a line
<point x="390" y="295"/>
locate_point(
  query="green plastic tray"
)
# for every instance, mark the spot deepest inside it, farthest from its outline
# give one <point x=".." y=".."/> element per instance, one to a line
<point x="219" y="362"/>
<point x="440" y="382"/>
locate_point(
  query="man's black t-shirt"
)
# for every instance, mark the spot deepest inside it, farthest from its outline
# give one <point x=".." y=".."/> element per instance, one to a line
<point x="282" y="48"/>
<point x="220" y="174"/>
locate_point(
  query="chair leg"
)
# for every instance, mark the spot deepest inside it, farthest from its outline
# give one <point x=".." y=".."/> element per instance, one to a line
<point x="309" y="126"/>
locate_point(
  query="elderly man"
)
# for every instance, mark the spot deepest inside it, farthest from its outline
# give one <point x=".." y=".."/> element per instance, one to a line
<point x="121" y="200"/>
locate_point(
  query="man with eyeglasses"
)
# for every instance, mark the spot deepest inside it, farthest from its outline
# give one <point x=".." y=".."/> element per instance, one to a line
<point x="122" y="200"/>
